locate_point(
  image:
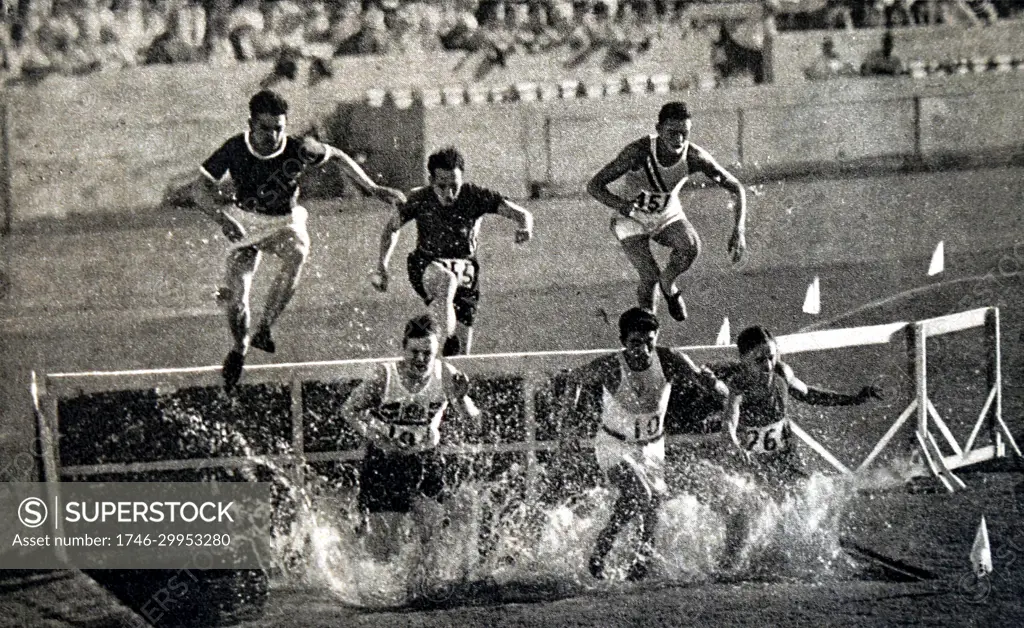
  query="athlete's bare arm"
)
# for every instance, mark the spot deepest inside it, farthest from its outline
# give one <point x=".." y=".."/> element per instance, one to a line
<point x="353" y="171"/>
<point x="703" y="161"/>
<point x="522" y="218"/>
<point x="208" y="196"/>
<point x="821" y="397"/>
<point x="361" y="405"/>
<point x="388" y="240"/>
<point x="702" y="374"/>
<point x="613" y="171"/>
<point x="594" y="374"/>
<point x="456" y="387"/>
<point x="733" y="405"/>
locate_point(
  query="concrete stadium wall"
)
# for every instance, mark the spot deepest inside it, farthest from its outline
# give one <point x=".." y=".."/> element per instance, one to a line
<point x="794" y="51"/>
<point x="781" y="129"/>
<point x="109" y="142"/>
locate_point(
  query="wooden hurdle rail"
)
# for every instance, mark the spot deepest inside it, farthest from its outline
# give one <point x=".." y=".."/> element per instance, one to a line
<point x="534" y="367"/>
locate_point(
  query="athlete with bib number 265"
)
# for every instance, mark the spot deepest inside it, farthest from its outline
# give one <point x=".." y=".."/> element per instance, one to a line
<point x="443" y="269"/>
<point x="648" y="175"/>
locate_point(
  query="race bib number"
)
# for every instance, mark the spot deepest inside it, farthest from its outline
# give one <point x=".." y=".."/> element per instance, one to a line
<point x="647" y="428"/>
<point x="409" y="436"/>
<point x="463" y="270"/>
<point x="652" y="202"/>
<point x="771" y="439"/>
<point x="409" y="423"/>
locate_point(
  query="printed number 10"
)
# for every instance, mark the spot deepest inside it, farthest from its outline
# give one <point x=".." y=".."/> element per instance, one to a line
<point x="652" y="428"/>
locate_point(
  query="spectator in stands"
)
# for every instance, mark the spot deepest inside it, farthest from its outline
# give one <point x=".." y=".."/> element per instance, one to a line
<point x="316" y="24"/>
<point x="969" y="12"/>
<point x="244" y="24"/>
<point x="738" y="56"/>
<point x="182" y="42"/>
<point x="460" y="29"/>
<point x="883" y="62"/>
<point x="286" y="20"/>
<point x="889" y="13"/>
<point x="346" y="23"/>
<point x="544" y="35"/>
<point x="561" y="20"/>
<point x="33" y="59"/>
<point x="829" y="65"/>
<point x="811" y="14"/>
<point x="431" y="20"/>
<point x="374" y="37"/>
<point x="130" y="25"/>
<point x="499" y="41"/>
<point x="639" y="21"/>
<point x="267" y="42"/>
<point x="8" y="62"/>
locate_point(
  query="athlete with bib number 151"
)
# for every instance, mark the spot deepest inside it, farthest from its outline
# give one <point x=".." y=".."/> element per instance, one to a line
<point x="443" y="269"/>
<point x="645" y="179"/>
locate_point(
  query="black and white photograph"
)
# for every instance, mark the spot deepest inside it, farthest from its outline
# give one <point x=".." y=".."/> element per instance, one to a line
<point x="511" y="313"/>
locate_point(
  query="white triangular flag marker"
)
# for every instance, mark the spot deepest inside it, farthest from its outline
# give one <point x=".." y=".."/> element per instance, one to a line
<point x="981" y="553"/>
<point x="938" y="263"/>
<point x="812" y="302"/>
<point x="723" y="334"/>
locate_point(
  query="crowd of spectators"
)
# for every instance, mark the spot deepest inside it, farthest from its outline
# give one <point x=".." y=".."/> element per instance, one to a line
<point x="82" y="36"/>
<point x="806" y="14"/>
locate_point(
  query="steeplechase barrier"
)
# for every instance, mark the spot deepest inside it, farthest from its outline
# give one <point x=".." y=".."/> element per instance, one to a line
<point x="52" y="392"/>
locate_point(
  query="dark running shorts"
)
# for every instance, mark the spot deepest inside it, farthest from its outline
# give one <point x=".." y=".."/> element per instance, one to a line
<point x="466" y="297"/>
<point x="390" y="482"/>
<point x="779" y="474"/>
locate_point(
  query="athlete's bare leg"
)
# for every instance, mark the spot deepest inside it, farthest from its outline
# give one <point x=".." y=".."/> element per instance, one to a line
<point x="427" y="516"/>
<point x="293" y="251"/>
<point x="241" y="267"/>
<point x="638" y="250"/>
<point x="440" y="284"/>
<point x="635" y="499"/>
<point x="386" y="533"/>
<point x="464" y="333"/>
<point x="681" y="237"/>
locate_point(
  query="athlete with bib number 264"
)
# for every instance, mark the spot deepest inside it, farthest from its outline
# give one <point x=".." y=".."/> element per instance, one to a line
<point x="648" y="175"/>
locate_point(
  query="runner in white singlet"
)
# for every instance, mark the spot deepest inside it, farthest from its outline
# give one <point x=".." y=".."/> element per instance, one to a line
<point x="636" y="386"/>
<point x="642" y="184"/>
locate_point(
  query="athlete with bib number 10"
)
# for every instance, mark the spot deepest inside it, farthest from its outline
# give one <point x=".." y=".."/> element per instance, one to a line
<point x="646" y="178"/>
<point x="635" y="386"/>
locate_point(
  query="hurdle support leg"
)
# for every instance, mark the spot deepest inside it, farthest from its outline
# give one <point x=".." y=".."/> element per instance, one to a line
<point x="530" y="384"/>
<point x="998" y="428"/>
<point x="45" y="407"/>
<point x="298" y="470"/>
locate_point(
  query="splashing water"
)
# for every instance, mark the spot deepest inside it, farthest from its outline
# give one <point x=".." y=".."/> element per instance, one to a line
<point x="492" y="534"/>
<point x="796" y="537"/>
